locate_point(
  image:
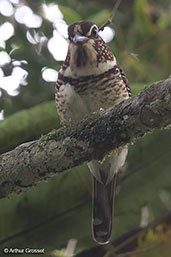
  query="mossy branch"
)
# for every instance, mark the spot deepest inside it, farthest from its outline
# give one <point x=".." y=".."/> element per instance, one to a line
<point x="94" y="137"/>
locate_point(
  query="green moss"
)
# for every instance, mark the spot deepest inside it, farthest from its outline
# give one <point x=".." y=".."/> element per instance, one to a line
<point x="50" y="135"/>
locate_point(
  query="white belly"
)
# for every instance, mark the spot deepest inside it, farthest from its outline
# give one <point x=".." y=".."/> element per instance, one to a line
<point x="74" y="107"/>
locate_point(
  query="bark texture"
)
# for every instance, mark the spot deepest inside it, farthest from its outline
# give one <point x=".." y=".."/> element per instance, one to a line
<point x="93" y="138"/>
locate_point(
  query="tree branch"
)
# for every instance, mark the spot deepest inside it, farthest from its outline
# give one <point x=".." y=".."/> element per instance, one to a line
<point x="30" y="163"/>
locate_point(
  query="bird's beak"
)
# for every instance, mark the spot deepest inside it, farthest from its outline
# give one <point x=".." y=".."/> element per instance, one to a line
<point x="79" y="39"/>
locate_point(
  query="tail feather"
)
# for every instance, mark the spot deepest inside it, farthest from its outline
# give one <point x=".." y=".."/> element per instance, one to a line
<point x="103" y="198"/>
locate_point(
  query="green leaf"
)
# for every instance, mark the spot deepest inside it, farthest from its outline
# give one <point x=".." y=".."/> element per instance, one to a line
<point x="70" y="15"/>
<point x="164" y="20"/>
<point x="100" y="17"/>
<point x="142" y="17"/>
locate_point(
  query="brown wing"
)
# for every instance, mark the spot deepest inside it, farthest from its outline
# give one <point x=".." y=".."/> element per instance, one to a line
<point x="125" y="80"/>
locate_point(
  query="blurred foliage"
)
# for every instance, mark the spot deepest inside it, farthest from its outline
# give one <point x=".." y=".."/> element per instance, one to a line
<point x="27" y="125"/>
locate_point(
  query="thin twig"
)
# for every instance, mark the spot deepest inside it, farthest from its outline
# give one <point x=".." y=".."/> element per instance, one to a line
<point x="111" y="16"/>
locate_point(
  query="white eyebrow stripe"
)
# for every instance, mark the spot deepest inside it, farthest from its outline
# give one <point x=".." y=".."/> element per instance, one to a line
<point x="89" y="32"/>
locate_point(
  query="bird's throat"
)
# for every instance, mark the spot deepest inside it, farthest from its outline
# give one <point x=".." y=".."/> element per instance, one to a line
<point x="83" y="61"/>
<point x="81" y="56"/>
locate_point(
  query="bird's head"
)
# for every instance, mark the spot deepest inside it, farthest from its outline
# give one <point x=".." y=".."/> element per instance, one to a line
<point x="81" y="32"/>
<point x="87" y="51"/>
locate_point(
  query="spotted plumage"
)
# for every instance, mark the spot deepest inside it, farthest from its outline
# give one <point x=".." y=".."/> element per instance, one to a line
<point x="90" y="79"/>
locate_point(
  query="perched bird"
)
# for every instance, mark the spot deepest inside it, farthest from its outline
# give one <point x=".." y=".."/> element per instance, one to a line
<point x="90" y="79"/>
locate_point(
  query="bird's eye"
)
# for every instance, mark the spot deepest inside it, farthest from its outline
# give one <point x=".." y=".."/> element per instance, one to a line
<point x="94" y="31"/>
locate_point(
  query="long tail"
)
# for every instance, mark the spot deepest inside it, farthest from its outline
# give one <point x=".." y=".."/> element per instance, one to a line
<point x="103" y="198"/>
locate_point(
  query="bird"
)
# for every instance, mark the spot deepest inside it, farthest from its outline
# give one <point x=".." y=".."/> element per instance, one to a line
<point x="90" y="79"/>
